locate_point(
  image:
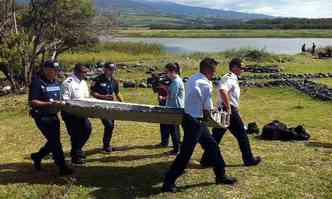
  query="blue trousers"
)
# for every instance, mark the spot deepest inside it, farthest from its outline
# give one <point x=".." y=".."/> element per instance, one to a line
<point x="79" y="130"/>
<point x="237" y="129"/>
<point x="108" y="131"/>
<point x="195" y="132"/>
<point x="50" y="128"/>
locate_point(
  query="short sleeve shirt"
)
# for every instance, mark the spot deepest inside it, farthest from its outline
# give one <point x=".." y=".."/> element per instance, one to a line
<point x="105" y="86"/>
<point x="198" y="95"/>
<point x="230" y="84"/>
<point x="176" y="94"/>
<point x="74" y="88"/>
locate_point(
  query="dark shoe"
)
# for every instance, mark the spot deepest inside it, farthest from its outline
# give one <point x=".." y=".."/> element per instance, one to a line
<point x="107" y="149"/>
<point x="77" y="161"/>
<point x="169" y="188"/>
<point x="254" y="162"/>
<point x="36" y="161"/>
<point x="174" y="153"/>
<point x="66" y="171"/>
<point x="226" y="180"/>
<point x="206" y="165"/>
<point x="161" y="145"/>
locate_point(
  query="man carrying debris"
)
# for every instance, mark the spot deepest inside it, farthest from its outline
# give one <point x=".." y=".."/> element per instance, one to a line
<point x="228" y="100"/>
<point x="44" y="99"/>
<point x="79" y="128"/>
<point x="198" y="106"/>
<point x="105" y="87"/>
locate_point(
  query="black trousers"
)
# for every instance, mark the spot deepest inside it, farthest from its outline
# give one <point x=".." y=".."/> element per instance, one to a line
<point x="50" y="128"/>
<point x="195" y="132"/>
<point x="79" y="130"/>
<point x="237" y="129"/>
<point x="108" y="131"/>
<point x="174" y="131"/>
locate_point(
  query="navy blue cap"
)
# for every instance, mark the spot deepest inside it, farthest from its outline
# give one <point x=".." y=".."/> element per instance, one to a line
<point x="51" y="64"/>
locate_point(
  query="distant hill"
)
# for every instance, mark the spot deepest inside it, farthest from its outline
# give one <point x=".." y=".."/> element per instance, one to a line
<point x="168" y="8"/>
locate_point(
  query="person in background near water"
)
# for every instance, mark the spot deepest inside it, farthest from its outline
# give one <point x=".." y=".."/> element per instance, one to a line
<point x="303" y="48"/>
<point x="228" y="99"/>
<point x="44" y="99"/>
<point x="79" y="128"/>
<point x="313" y="51"/>
<point x="175" y="99"/>
<point x="198" y="107"/>
<point x="106" y="87"/>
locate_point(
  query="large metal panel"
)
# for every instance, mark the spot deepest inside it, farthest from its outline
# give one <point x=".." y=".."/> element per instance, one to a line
<point x="94" y="108"/>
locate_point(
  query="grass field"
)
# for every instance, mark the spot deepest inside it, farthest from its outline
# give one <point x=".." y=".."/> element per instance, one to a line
<point x="325" y="81"/>
<point x="289" y="169"/>
<point x="143" y="32"/>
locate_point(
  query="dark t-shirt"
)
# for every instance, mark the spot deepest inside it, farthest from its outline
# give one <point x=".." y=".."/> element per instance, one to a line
<point x="43" y="90"/>
<point x="105" y="86"/>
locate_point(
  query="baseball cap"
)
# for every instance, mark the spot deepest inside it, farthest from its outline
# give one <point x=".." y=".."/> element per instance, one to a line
<point x="51" y="64"/>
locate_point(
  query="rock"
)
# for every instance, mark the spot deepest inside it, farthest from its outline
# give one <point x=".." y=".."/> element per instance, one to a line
<point x="142" y="85"/>
<point x="129" y="84"/>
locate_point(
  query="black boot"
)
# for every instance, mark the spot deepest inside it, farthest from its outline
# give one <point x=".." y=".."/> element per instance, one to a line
<point x="36" y="160"/>
<point x="254" y="162"/>
<point x="65" y="171"/>
<point x="169" y="188"/>
<point x="226" y="180"/>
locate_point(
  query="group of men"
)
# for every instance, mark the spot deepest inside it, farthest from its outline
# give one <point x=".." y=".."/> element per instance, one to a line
<point x="45" y="96"/>
<point x="46" y="93"/>
<point x="198" y="107"/>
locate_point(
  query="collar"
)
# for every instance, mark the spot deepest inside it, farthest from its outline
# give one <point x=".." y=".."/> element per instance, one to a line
<point x="234" y="76"/>
<point x="75" y="78"/>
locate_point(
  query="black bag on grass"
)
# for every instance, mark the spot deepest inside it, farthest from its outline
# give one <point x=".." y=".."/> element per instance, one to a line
<point x="277" y="130"/>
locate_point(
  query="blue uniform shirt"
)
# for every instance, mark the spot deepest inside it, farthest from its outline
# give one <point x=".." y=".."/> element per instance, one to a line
<point x="46" y="91"/>
<point x="105" y="86"/>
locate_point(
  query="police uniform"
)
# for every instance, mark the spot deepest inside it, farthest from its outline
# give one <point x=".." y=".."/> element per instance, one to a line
<point x="79" y="128"/>
<point x="104" y="86"/>
<point x="198" y="97"/>
<point x="47" y="120"/>
<point x="230" y="84"/>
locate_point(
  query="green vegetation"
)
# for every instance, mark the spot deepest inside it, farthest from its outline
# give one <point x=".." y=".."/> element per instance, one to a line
<point x="135" y="54"/>
<point x="327" y="82"/>
<point x="229" y="33"/>
<point x="289" y="170"/>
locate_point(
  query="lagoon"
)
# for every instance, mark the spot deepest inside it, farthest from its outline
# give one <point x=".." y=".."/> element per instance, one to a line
<point x="210" y="45"/>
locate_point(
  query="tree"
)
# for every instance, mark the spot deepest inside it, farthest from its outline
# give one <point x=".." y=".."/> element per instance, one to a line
<point x="44" y="30"/>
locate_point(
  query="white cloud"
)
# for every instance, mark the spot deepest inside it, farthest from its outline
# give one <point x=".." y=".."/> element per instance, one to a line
<point x="284" y="8"/>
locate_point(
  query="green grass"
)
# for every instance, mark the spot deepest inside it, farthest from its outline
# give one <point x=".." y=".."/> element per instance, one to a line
<point x="289" y="169"/>
<point x="327" y="82"/>
<point x="141" y="32"/>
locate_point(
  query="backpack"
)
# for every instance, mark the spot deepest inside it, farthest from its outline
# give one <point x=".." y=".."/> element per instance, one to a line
<point x="277" y="130"/>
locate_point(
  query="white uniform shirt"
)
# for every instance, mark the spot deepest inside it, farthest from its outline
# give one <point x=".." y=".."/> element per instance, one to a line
<point x="74" y="88"/>
<point x="198" y="95"/>
<point x="230" y="84"/>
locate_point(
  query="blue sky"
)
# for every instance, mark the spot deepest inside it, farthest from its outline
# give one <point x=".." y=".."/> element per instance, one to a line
<point x="284" y="8"/>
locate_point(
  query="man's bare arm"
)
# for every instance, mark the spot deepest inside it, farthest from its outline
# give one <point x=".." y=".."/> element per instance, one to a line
<point x="225" y="98"/>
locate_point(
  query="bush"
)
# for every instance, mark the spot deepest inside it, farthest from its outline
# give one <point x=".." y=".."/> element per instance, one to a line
<point x="133" y="48"/>
<point x="256" y="55"/>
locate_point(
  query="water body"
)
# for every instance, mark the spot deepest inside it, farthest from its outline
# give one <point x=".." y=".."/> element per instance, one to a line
<point x="190" y="45"/>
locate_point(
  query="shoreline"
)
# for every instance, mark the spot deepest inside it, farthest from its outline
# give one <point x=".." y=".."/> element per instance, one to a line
<point x="227" y="33"/>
